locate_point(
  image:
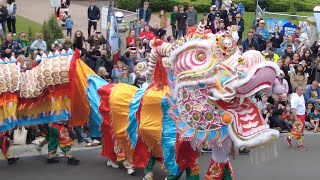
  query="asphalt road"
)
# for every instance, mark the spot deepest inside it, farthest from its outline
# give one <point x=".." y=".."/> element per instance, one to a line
<point x="290" y="164"/>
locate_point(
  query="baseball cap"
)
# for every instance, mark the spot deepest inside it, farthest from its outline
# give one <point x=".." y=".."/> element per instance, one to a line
<point x="261" y="21"/>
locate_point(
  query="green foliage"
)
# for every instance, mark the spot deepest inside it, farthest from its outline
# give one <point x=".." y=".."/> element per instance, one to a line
<point x="51" y="30"/>
<point x="281" y="5"/>
<point x="30" y="35"/>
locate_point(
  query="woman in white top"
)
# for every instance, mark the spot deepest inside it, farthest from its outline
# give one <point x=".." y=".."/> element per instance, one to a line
<point x="11" y="19"/>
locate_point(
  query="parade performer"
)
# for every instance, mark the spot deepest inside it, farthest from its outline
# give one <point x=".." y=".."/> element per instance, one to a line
<point x="4" y="146"/>
<point x="298" y="109"/>
<point x="57" y="135"/>
<point x="201" y="93"/>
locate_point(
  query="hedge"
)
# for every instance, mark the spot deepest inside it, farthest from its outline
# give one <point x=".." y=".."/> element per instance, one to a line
<point x="281" y="5"/>
<point x="204" y="5"/>
<point x="167" y="5"/>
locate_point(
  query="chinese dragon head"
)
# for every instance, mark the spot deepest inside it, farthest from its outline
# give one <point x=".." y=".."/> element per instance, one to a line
<point x="212" y="87"/>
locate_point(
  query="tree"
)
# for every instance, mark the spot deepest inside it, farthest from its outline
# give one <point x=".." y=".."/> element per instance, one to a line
<point x="51" y="30"/>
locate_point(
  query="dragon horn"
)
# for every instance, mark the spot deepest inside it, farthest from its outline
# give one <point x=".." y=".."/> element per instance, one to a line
<point x="201" y="28"/>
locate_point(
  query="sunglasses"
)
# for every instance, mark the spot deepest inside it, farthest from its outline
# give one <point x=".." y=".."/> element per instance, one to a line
<point x="23" y="36"/>
<point x="125" y="69"/>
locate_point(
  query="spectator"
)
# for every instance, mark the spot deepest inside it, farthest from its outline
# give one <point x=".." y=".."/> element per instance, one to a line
<point x="279" y="87"/>
<point x="117" y="71"/>
<point x="240" y="23"/>
<point x="67" y="44"/>
<point x="96" y="40"/>
<point x="277" y="39"/>
<point x="79" y="41"/>
<point x="212" y="14"/>
<point x="29" y="64"/>
<point x="69" y="25"/>
<point x="173" y="21"/>
<point x="3" y="15"/>
<point x="261" y="41"/>
<point x="233" y="9"/>
<point x="287" y="115"/>
<point x="21" y="45"/>
<point x="309" y="61"/>
<point x="192" y="16"/>
<point x="216" y="3"/>
<point x="7" y="47"/>
<point x="315" y="48"/>
<point x="206" y="21"/>
<point x="296" y="35"/>
<point x="224" y="12"/>
<point x="263" y="103"/>
<point x="163" y="20"/>
<point x="145" y="12"/>
<point x="286" y="69"/>
<point x="181" y="22"/>
<point x="288" y="50"/>
<point x="103" y="73"/>
<point x="215" y="23"/>
<point x="295" y="58"/>
<point x="141" y="26"/>
<point x="262" y="30"/>
<point x="11" y="18"/>
<point x="131" y="60"/>
<point x="146" y="35"/>
<point x="222" y="26"/>
<point x="230" y="21"/>
<point x="140" y="48"/>
<point x="271" y="56"/>
<point x="250" y="41"/>
<point x="298" y="77"/>
<point x="314" y="119"/>
<point x="315" y="69"/>
<point x="93" y="16"/>
<point x="286" y="44"/>
<point x="227" y="4"/>
<point x="312" y="93"/>
<point x="276" y="119"/>
<point x="39" y="46"/>
<point x="130" y="38"/>
<point x="126" y="76"/>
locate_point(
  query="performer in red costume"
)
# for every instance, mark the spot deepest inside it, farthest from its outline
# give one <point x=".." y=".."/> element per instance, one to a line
<point x="4" y="146"/>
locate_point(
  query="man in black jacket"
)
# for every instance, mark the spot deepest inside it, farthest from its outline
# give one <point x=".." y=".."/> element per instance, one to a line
<point x="93" y="16"/>
<point x="145" y="12"/>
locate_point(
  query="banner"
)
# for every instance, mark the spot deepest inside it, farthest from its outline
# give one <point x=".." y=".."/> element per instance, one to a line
<point x="104" y="17"/>
<point x="271" y="23"/>
<point x="259" y="14"/>
<point x="114" y="35"/>
<point x="316" y="12"/>
<point x="288" y="29"/>
<point x="55" y="3"/>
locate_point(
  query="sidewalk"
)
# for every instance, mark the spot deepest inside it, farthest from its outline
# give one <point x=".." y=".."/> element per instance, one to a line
<point x="39" y="10"/>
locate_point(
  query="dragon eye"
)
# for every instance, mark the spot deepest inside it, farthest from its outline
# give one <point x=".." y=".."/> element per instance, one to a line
<point x="201" y="56"/>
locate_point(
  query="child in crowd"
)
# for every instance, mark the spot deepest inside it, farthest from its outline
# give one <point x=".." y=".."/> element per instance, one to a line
<point x="310" y="109"/>
<point x="314" y="119"/>
<point x="287" y="115"/>
<point x="69" y="26"/>
<point x="117" y="72"/>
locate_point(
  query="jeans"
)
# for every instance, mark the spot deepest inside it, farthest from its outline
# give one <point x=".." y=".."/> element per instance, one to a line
<point x="69" y="32"/>
<point x="174" y="31"/>
<point x="181" y="33"/>
<point x="90" y="24"/>
<point x="11" y="23"/>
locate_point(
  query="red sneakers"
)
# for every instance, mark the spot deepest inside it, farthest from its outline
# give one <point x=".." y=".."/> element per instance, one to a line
<point x="288" y="141"/>
<point x="301" y="148"/>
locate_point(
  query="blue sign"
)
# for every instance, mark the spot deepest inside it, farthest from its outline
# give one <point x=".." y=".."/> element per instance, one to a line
<point x="273" y="22"/>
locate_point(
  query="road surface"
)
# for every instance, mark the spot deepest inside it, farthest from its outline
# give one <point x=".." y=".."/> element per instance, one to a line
<point x="290" y="164"/>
